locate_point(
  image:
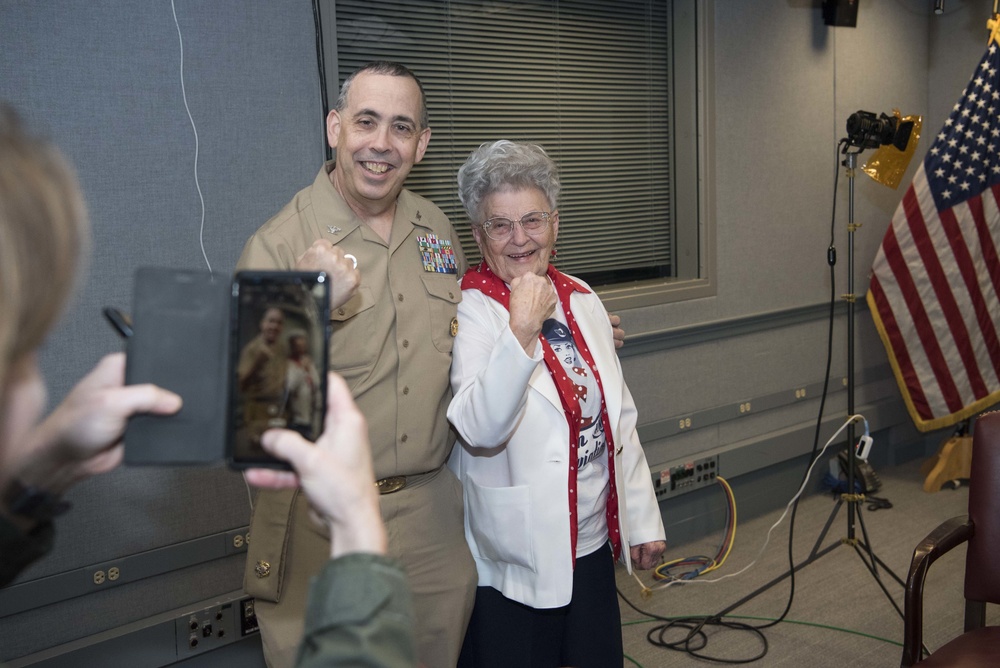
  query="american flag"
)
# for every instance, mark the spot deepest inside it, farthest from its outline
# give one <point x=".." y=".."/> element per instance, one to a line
<point x="936" y="278"/>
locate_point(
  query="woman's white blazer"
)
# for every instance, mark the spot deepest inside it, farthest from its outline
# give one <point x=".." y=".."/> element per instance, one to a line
<point x="513" y="453"/>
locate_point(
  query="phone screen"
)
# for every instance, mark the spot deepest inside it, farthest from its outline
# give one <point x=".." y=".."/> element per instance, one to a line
<point x="280" y="336"/>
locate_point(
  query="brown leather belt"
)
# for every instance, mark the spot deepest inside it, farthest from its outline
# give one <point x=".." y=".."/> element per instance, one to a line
<point x="395" y="483"/>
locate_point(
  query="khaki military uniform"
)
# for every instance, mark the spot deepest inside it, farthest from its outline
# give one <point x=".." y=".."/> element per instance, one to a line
<point x="392" y="344"/>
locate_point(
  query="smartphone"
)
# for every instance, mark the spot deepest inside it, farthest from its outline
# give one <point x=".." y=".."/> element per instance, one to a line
<point x="279" y="344"/>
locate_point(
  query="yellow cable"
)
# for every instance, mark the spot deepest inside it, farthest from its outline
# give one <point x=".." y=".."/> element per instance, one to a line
<point x="732" y="538"/>
<point x="713" y="564"/>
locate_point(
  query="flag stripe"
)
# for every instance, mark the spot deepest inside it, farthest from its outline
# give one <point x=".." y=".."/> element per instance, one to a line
<point x="918" y="305"/>
<point x="898" y="351"/>
<point x="909" y="354"/>
<point x="991" y="211"/>
<point x="990" y="346"/>
<point x="953" y="316"/>
<point x="944" y="298"/>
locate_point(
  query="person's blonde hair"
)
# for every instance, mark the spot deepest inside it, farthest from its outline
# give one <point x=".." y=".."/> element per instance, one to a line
<point x="43" y="231"/>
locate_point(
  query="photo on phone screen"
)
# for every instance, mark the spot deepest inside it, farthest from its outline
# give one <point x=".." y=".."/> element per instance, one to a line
<point x="278" y="372"/>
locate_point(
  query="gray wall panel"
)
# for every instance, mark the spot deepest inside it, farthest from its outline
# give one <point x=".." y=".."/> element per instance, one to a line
<point x="102" y="78"/>
<point x="84" y="616"/>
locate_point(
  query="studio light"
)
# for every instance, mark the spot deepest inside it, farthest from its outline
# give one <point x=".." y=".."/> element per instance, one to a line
<point x="894" y="138"/>
<point x="865" y="130"/>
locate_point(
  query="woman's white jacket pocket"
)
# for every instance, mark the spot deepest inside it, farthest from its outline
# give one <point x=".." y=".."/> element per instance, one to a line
<point x="499" y="519"/>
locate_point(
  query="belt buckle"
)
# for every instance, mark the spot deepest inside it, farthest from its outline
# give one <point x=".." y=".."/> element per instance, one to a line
<point x="391" y="484"/>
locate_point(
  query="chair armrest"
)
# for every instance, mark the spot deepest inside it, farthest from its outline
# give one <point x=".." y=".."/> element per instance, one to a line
<point x="948" y="535"/>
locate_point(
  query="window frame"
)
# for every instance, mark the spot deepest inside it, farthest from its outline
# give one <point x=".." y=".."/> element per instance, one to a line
<point x="694" y="248"/>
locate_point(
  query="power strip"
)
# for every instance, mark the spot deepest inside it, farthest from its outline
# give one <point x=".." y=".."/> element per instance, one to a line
<point x="686" y="476"/>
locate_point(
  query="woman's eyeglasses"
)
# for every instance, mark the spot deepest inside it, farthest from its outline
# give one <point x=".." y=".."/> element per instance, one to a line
<point x="501" y="229"/>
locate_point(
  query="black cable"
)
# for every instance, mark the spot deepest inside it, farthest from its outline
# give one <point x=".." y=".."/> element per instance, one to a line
<point x="877" y="502"/>
<point x="694" y="626"/>
<point x="321" y="61"/>
<point x="831" y="261"/>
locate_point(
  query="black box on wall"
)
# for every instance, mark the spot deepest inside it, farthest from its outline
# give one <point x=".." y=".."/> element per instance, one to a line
<point x="840" y="13"/>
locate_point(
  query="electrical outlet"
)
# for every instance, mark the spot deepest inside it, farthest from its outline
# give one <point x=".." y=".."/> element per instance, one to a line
<point x="248" y="617"/>
<point x="237" y="540"/>
<point x="206" y="629"/>
<point x="686" y="476"/>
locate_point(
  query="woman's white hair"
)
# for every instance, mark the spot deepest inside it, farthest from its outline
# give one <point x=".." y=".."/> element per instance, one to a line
<point x="505" y="165"/>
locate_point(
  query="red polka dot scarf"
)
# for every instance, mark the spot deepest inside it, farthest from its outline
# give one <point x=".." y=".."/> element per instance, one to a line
<point x="483" y="279"/>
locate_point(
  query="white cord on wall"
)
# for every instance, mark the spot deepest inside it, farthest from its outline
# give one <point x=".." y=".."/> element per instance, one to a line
<point x="201" y="198"/>
<point x="201" y="232"/>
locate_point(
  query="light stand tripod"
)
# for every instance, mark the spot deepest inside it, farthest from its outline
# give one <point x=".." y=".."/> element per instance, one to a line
<point x="851" y="499"/>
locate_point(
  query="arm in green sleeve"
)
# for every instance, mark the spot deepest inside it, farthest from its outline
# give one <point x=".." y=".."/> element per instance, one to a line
<point x="359" y="614"/>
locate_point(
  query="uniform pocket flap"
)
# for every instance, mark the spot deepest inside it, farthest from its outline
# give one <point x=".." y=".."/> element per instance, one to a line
<point x="443" y="287"/>
<point x="362" y="300"/>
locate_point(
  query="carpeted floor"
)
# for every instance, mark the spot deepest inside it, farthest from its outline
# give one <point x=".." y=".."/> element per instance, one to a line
<point x="839" y="615"/>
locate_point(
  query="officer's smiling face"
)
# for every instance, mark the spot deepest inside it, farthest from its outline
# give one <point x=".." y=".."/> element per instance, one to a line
<point x="378" y="139"/>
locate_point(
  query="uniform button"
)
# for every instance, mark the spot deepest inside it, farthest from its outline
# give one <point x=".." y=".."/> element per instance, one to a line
<point x="403" y="438"/>
<point x="406" y="390"/>
<point x="400" y="296"/>
<point x="451" y="295"/>
<point x="341" y="311"/>
<point x="406" y="343"/>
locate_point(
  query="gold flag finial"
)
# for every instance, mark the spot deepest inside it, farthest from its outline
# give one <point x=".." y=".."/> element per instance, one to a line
<point x="993" y="25"/>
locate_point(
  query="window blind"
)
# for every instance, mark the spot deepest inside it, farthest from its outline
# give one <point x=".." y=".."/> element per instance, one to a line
<point x="588" y="80"/>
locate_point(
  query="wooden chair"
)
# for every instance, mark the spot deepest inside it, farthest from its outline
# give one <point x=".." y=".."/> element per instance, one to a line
<point x="979" y="645"/>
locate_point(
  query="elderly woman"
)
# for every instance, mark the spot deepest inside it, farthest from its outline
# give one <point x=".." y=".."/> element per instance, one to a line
<point x="555" y="481"/>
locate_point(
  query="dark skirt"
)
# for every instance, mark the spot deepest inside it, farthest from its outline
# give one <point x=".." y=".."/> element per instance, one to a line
<point x="584" y="634"/>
